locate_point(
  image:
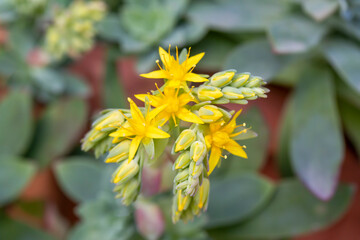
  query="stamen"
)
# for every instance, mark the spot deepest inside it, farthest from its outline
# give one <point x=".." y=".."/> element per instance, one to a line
<point x="162" y="94"/>
<point x="177" y="54"/>
<point x="158" y="63"/>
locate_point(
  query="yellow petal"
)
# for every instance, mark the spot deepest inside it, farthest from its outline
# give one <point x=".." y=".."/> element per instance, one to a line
<point x="135" y="111"/>
<point x="153" y="100"/>
<point x="192" y="61"/>
<point x="187" y="116"/>
<point x="193" y="77"/>
<point x="122" y="132"/>
<point x="135" y="142"/>
<point x="229" y="128"/>
<point x="214" y="158"/>
<point x="154" y="132"/>
<point x="153" y="113"/>
<point x="234" y="148"/>
<point x="155" y="74"/>
<point x="165" y="57"/>
<point x="185" y="98"/>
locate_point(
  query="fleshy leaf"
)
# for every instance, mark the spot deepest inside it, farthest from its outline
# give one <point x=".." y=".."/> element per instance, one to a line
<point x="291" y="212"/>
<point x="316" y="142"/>
<point x="234" y="199"/>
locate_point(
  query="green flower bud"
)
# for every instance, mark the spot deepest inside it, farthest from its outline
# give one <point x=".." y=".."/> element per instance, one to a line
<point x="185" y="139"/>
<point x="126" y="171"/>
<point x="197" y="151"/>
<point x="184" y="174"/>
<point x="182" y="161"/>
<point x="221" y="79"/>
<point x="201" y="197"/>
<point x="210" y="113"/>
<point x="254" y="82"/>
<point x="129" y="192"/>
<point x="109" y="121"/>
<point x="183" y="201"/>
<point x="209" y="93"/>
<point x="197" y="170"/>
<point x="240" y="79"/>
<point x="119" y="153"/>
<point x="232" y="93"/>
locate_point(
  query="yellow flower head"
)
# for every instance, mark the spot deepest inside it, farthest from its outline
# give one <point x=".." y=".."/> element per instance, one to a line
<point x="176" y="73"/>
<point x="220" y="137"/>
<point x="174" y="105"/>
<point x="141" y="129"/>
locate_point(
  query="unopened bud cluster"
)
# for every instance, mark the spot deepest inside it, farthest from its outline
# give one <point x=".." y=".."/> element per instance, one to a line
<point x="191" y="173"/>
<point x="73" y="29"/>
<point x="229" y="87"/>
<point x="132" y="138"/>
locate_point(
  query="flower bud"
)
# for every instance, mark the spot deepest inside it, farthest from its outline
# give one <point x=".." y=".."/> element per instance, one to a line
<point x="109" y="121"/>
<point x="197" y="151"/>
<point x="210" y="113"/>
<point x="255" y="82"/>
<point x="183" y="201"/>
<point x="126" y="171"/>
<point x="119" y="153"/>
<point x="202" y="195"/>
<point x="209" y="93"/>
<point x="240" y="79"/>
<point x="232" y="93"/>
<point x="221" y="79"/>
<point x="185" y="139"/>
<point x="197" y="170"/>
<point x="130" y="191"/>
<point x="181" y="175"/>
<point x="183" y="160"/>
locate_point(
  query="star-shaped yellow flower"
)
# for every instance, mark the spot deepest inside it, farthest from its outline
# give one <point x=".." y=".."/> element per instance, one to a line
<point x="141" y="129"/>
<point x="176" y="73"/>
<point x="221" y="137"/>
<point x="173" y="103"/>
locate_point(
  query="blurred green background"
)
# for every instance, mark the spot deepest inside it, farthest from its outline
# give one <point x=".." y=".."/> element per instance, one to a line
<point x="63" y="61"/>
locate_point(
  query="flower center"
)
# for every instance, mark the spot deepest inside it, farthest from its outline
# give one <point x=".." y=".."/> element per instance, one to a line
<point x="220" y="138"/>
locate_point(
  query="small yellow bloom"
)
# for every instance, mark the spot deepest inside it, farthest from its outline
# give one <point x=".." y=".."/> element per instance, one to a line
<point x="173" y="103"/>
<point x="221" y="137"/>
<point x="140" y="128"/>
<point x="176" y="73"/>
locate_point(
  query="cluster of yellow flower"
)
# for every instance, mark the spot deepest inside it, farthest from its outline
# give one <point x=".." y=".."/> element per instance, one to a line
<point x="73" y="31"/>
<point x="134" y="137"/>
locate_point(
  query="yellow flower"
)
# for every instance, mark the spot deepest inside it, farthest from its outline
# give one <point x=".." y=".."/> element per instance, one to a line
<point x="176" y="73"/>
<point x="173" y="103"/>
<point x="221" y="137"/>
<point x="141" y="129"/>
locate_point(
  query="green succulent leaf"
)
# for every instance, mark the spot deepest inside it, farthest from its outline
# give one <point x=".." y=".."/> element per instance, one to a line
<point x="11" y="229"/>
<point x="256" y="57"/>
<point x="351" y="119"/>
<point x="16" y="123"/>
<point x="344" y="56"/>
<point x="319" y="10"/>
<point x="234" y="199"/>
<point x="59" y="128"/>
<point x="15" y="173"/>
<point x="238" y="15"/>
<point x="291" y="212"/>
<point x="81" y="178"/>
<point x="103" y="218"/>
<point x="283" y="150"/>
<point x="216" y="48"/>
<point x="295" y="34"/>
<point x="316" y="142"/>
